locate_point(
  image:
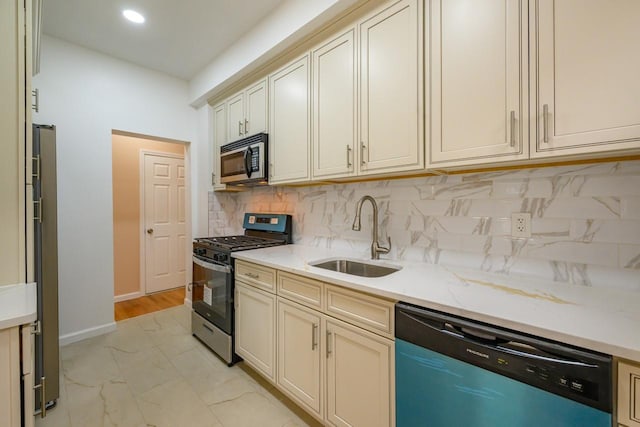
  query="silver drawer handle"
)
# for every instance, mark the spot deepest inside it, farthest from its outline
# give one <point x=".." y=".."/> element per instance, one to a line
<point x="362" y="148"/>
<point x="329" y="343"/>
<point x="513" y="129"/>
<point x="349" y="164"/>
<point x="314" y="342"/>
<point x="252" y="275"/>
<point x="545" y="122"/>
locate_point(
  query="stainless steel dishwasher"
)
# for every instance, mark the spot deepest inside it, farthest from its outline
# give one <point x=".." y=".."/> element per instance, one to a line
<point x="452" y="371"/>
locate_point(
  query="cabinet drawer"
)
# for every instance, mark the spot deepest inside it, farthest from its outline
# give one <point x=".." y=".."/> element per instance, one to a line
<point x="300" y="289"/>
<point x="628" y="394"/>
<point x="256" y="275"/>
<point x="366" y="311"/>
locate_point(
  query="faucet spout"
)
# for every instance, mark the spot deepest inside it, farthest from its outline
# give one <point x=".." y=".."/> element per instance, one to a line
<point x="376" y="248"/>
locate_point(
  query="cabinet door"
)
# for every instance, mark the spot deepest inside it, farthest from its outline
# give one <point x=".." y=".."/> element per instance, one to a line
<point x="10" y="374"/>
<point x="219" y="131"/>
<point x="628" y="394"/>
<point x="256" y="329"/>
<point x="391" y="94"/>
<point x="334" y="107"/>
<point x="359" y="377"/>
<point x="256" y="109"/>
<point x="478" y="78"/>
<point x="13" y="125"/>
<point x="587" y="74"/>
<point x="299" y="355"/>
<point x="235" y="117"/>
<point x="28" y="373"/>
<point x="289" y="123"/>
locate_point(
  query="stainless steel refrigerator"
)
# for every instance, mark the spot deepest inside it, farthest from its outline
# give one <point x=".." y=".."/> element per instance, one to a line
<point x="47" y="360"/>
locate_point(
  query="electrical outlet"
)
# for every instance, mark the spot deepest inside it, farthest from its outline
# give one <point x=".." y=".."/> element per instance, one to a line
<point x="520" y="224"/>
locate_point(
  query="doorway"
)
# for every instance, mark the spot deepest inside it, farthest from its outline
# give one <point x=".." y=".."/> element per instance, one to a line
<point x="131" y="252"/>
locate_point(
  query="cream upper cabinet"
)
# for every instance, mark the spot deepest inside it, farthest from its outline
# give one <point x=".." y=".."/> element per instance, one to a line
<point x="289" y="123"/>
<point x="247" y="112"/>
<point x="219" y="131"/>
<point x="587" y="72"/>
<point x="391" y="89"/>
<point x="14" y="129"/>
<point x="628" y="394"/>
<point x="334" y="112"/>
<point x="256" y="329"/>
<point x="478" y="76"/>
<point x="360" y="387"/>
<point x="300" y="361"/>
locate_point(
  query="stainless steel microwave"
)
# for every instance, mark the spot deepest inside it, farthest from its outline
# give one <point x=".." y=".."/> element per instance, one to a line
<point x="244" y="161"/>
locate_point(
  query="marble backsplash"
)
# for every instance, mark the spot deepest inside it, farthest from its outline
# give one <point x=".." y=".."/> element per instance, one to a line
<point x="585" y="220"/>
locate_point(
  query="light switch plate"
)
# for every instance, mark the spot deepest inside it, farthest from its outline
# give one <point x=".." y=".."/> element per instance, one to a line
<point x="520" y="224"/>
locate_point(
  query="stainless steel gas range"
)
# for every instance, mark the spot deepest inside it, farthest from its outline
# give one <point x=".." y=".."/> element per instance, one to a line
<point x="212" y="318"/>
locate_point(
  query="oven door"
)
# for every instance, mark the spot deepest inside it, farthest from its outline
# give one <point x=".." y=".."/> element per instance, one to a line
<point x="213" y="292"/>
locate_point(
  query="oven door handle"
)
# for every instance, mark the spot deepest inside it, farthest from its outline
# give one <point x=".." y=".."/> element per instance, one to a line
<point x="210" y="266"/>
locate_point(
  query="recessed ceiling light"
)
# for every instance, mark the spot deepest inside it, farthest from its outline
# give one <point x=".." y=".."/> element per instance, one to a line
<point x="133" y="16"/>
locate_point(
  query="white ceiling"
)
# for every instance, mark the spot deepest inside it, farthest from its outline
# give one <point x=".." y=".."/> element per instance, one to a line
<point x="178" y="38"/>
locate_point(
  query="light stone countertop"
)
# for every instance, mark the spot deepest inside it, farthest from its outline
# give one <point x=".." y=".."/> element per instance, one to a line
<point x="604" y="320"/>
<point x="17" y="304"/>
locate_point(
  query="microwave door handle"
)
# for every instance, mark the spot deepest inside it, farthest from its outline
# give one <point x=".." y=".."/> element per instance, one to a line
<point x="247" y="161"/>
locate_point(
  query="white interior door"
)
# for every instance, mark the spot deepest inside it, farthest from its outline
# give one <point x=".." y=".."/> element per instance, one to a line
<point x="164" y="218"/>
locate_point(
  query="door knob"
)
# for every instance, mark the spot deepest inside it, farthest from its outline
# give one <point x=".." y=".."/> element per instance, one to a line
<point x="149" y="230"/>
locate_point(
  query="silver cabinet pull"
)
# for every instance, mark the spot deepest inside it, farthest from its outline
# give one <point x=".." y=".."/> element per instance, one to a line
<point x="362" y="148"/>
<point x="252" y="275"/>
<point x="246" y="126"/>
<point x="213" y="178"/>
<point x="240" y="128"/>
<point x="149" y="230"/>
<point x="513" y="129"/>
<point x="329" y="343"/>
<point x="36" y="328"/>
<point x="43" y="404"/>
<point x="349" y="164"/>
<point x="545" y="124"/>
<point x="270" y="170"/>
<point x="314" y="341"/>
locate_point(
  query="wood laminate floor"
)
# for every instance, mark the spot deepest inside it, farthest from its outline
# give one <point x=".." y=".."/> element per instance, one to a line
<point x="148" y="304"/>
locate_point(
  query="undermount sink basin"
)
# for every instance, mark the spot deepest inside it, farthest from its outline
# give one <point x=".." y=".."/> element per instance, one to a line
<point x="356" y="268"/>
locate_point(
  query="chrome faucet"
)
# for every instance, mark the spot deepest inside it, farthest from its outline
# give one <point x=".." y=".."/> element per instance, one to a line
<point x="376" y="249"/>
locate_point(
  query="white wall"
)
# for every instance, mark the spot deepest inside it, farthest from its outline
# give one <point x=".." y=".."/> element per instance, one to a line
<point x="86" y="95"/>
<point x="290" y="22"/>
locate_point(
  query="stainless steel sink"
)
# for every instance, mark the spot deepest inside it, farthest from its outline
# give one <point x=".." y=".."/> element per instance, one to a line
<point x="356" y="268"/>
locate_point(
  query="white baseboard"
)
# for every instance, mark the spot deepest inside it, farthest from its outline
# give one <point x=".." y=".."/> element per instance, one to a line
<point x="124" y="297"/>
<point x="87" y="333"/>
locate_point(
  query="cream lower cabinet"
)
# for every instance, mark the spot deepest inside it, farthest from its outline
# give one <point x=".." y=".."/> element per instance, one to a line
<point x="359" y="377"/>
<point x="628" y="394"/>
<point x="255" y="328"/>
<point x="16" y="367"/>
<point x="289" y="123"/>
<point x="586" y="77"/>
<point x="478" y="74"/>
<point x="300" y="356"/>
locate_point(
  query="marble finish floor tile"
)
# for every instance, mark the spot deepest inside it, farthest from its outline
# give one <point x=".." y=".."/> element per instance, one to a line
<point x="152" y="372"/>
